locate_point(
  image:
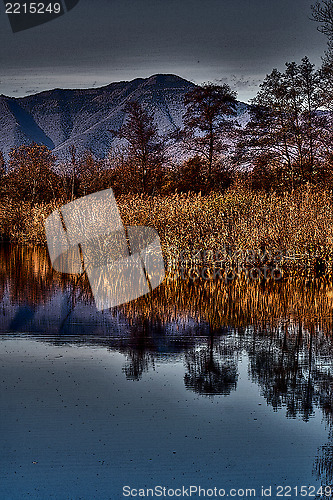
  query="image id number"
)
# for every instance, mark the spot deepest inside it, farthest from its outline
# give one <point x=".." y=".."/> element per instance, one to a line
<point x="33" y="8"/>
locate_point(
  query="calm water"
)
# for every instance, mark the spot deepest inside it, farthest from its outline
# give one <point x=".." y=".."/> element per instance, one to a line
<point x="204" y="384"/>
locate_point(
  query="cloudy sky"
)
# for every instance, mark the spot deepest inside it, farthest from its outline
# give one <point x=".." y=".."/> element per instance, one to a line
<point x="101" y="41"/>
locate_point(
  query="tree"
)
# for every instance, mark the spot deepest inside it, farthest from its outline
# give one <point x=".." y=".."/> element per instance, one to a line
<point x="207" y="121"/>
<point x="267" y="135"/>
<point x="312" y="99"/>
<point x="286" y="126"/>
<point x="2" y="172"/>
<point x="322" y="13"/>
<point x="190" y="175"/>
<point x="30" y="173"/>
<point x="2" y="165"/>
<point x="145" y="145"/>
<point x="91" y="174"/>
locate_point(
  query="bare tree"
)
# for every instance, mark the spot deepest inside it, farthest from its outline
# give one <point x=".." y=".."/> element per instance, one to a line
<point x="206" y="121"/>
<point x="322" y="13"/>
<point x="145" y="145"/>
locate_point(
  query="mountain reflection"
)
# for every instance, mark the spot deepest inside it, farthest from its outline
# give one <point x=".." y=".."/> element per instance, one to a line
<point x="284" y="328"/>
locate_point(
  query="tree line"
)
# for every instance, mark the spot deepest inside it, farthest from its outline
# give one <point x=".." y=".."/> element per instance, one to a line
<point x="286" y="143"/>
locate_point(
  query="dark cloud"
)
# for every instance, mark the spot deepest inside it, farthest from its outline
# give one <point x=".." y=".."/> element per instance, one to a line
<point x="202" y="40"/>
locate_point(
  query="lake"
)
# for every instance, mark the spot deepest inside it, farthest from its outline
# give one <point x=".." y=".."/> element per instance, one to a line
<point x="200" y="389"/>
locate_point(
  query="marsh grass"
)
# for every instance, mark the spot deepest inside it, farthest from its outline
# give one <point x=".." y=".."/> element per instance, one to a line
<point x="23" y="222"/>
<point x="293" y="230"/>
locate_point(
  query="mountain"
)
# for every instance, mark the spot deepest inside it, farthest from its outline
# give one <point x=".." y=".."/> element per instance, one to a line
<point x="60" y="118"/>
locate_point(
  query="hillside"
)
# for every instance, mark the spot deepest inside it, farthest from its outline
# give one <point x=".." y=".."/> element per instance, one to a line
<point x="59" y="118"/>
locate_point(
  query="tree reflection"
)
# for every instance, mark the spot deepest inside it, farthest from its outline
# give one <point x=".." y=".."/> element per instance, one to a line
<point x="281" y="363"/>
<point x="27" y="276"/>
<point x="210" y="369"/>
<point x="323" y="466"/>
<point x="137" y="363"/>
<point x="139" y="350"/>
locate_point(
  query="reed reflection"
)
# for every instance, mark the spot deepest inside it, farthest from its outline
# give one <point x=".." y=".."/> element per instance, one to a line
<point x="28" y="277"/>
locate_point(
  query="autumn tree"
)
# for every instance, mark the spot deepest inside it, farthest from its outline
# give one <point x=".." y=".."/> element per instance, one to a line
<point x="82" y="174"/>
<point x="189" y="175"/>
<point x="2" y="165"/>
<point x="31" y="173"/>
<point x="92" y="174"/>
<point x="314" y="126"/>
<point x="207" y="121"/>
<point x="145" y="150"/>
<point x="3" y="183"/>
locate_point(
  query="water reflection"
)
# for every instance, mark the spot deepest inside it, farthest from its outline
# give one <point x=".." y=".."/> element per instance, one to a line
<point x="212" y="369"/>
<point x="284" y="328"/>
<point x="282" y="364"/>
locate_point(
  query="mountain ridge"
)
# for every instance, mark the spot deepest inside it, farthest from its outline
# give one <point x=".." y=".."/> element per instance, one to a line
<point x="60" y="118"/>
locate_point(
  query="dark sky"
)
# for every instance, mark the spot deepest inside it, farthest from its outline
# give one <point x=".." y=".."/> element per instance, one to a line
<point x="101" y="41"/>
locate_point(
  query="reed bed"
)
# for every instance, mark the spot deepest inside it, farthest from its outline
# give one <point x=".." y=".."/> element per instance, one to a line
<point x="291" y="230"/>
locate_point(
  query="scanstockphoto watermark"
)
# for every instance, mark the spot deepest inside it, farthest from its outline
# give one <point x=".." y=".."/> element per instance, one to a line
<point x="228" y="264"/>
<point x="230" y="274"/>
<point x="187" y="492"/>
<point x="87" y="236"/>
<point x="264" y="491"/>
